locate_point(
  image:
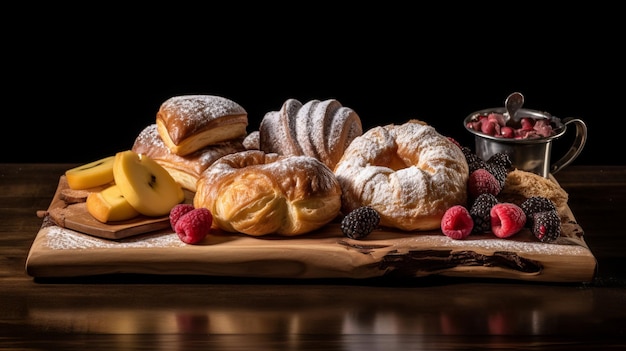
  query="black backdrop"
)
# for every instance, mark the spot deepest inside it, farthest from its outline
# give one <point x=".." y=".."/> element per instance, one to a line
<point x="82" y="86"/>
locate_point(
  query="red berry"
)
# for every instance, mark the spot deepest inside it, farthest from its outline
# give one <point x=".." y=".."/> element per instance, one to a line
<point x="193" y="226"/>
<point x="482" y="181"/>
<point x="457" y="222"/>
<point x="488" y="128"/>
<point x="527" y="123"/>
<point x="506" y="219"/>
<point x="507" y="132"/>
<point x="177" y="211"/>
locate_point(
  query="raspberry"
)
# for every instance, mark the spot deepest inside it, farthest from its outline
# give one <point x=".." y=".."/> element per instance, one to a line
<point x="177" y="211"/>
<point x="482" y="181"/>
<point x="360" y="222"/>
<point x="456" y="222"/>
<point x="546" y="225"/>
<point x="473" y="161"/>
<point x="481" y="212"/>
<point x="193" y="226"/>
<point x="506" y="219"/>
<point x="536" y="204"/>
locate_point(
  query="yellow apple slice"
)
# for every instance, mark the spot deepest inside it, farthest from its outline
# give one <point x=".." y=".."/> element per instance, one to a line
<point x="110" y="205"/>
<point x="91" y="175"/>
<point x="145" y="184"/>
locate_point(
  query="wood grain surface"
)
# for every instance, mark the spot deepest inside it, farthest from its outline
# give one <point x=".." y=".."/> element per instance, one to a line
<point x="83" y="247"/>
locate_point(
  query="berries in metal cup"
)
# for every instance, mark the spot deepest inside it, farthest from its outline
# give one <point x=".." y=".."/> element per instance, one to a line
<point x="527" y="139"/>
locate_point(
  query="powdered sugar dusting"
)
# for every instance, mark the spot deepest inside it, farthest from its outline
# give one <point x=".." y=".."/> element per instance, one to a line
<point x="203" y="106"/>
<point x="523" y="244"/>
<point x="319" y="129"/>
<point x="58" y="238"/>
<point x="406" y="172"/>
<point x="194" y="113"/>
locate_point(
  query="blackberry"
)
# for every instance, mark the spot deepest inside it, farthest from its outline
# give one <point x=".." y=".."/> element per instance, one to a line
<point x="480" y="212"/>
<point x="546" y="226"/>
<point x="498" y="172"/>
<point x="499" y="165"/>
<point x="536" y="204"/>
<point x="473" y="161"/>
<point x="502" y="159"/>
<point x="360" y="222"/>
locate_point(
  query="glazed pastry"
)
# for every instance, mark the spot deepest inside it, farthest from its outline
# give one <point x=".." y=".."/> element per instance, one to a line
<point x="320" y="129"/>
<point x="409" y="173"/>
<point x="255" y="193"/>
<point x="188" y="123"/>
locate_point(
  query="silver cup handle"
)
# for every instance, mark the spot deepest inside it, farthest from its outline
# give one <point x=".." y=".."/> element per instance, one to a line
<point x="579" y="142"/>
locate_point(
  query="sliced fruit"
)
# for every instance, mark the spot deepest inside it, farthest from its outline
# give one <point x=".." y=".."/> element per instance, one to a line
<point x="91" y="175"/>
<point x="110" y="205"/>
<point x="145" y="184"/>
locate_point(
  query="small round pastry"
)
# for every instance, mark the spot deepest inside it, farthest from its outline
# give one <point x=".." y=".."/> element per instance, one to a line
<point x="320" y="129"/>
<point x="409" y="173"/>
<point x="256" y="193"/>
<point x="184" y="169"/>
<point x="188" y="123"/>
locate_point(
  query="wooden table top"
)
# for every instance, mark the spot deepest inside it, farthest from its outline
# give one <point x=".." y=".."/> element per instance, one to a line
<point x="189" y="312"/>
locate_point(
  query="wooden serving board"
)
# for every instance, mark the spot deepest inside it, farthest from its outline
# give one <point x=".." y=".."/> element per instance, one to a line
<point x="325" y="253"/>
<point x="75" y="216"/>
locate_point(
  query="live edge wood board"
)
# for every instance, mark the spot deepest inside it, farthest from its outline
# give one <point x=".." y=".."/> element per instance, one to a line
<point x="61" y="252"/>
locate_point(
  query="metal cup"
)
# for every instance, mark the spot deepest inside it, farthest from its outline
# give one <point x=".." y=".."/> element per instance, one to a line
<point x="531" y="155"/>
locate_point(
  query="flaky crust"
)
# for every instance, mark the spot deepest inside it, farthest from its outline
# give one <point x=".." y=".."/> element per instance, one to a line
<point x="409" y="173"/>
<point x="184" y="169"/>
<point x="320" y="129"/>
<point x="255" y="193"/>
<point x="188" y="123"/>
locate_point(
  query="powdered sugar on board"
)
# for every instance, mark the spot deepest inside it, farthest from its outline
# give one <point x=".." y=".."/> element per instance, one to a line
<point x="58" y="238"/>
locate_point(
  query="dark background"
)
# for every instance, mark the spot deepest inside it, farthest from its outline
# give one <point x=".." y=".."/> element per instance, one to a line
<point x="80" y="83"/>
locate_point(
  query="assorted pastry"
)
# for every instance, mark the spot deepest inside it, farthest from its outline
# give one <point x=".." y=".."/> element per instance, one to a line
<point x="307" y="165"/>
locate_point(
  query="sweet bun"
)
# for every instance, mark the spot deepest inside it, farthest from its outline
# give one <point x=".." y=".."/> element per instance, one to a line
<point x="256" y="193"/>
<point x="409" y="173"/>
<point x="320" y="129"/>
<point x="184" y="169"/>
<point x="188" y="123"/>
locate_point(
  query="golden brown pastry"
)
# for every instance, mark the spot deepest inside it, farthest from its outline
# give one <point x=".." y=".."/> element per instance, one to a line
<point x="188" y="123"/>
<point x="256" y="193"/>
<point x="521" y="185"/>
<point x="409" y="173"/>
<point x="320" y="129"/>
<point x="184" y="169"/>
